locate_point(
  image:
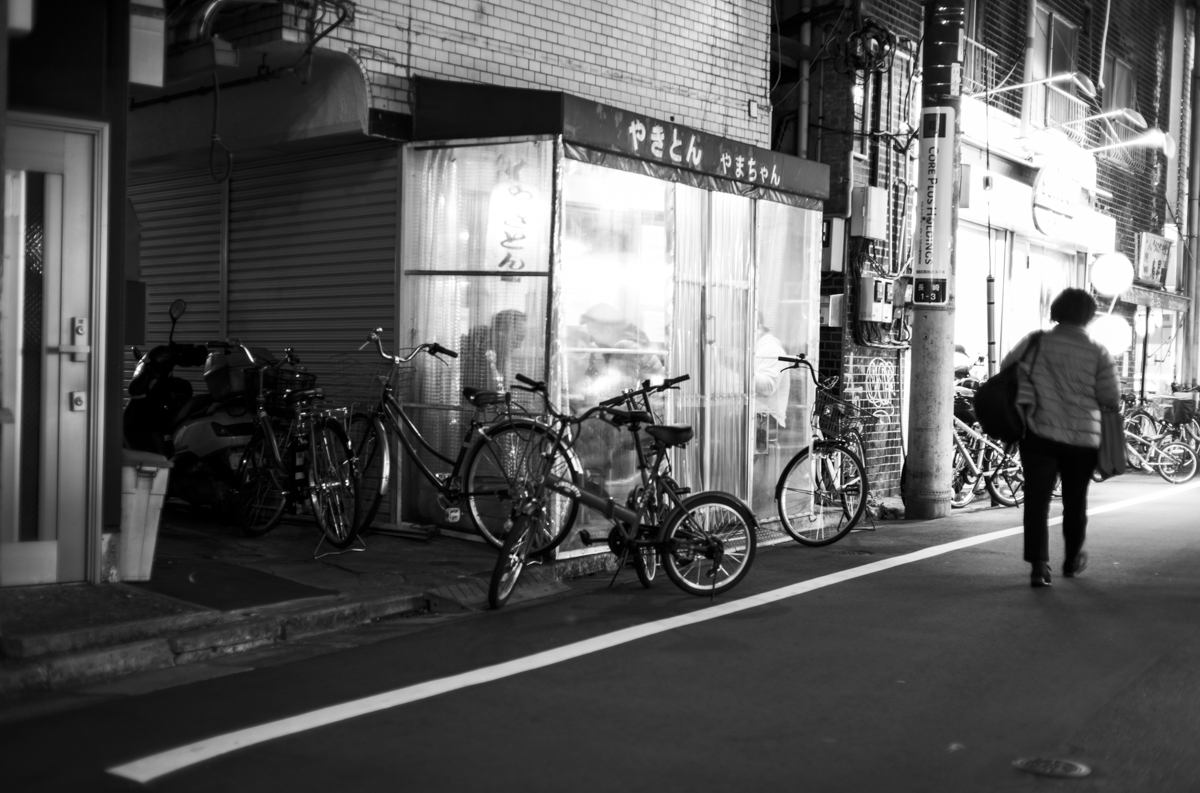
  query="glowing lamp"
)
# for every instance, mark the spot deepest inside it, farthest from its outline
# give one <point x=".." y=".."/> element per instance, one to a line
<point x="1112" y="274"/>
<point x="1113" y="332"/>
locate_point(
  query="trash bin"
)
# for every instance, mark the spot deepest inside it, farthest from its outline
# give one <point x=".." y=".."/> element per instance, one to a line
<point x="143" y="487"/>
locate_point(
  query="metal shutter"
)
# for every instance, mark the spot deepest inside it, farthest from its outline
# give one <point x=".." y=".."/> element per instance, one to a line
<point x="180" y="251"/>
<point x="312" y="246"/>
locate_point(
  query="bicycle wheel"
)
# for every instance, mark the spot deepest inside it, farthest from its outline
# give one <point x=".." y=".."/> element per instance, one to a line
<point x="369" y="444"/>
<point x="709" y="544"/>
<point x="1176" y="463"/>
<point x="518" y="541"/>
<point x="1141" y="422"/>
<point x="823" y="511"/>
<point x="331" y="484"/>
<point x="258" y="499"/>
<point x="1007" y="484"/>
<point x="645" y="558"/>
<point x="500" y="469"/>
<point x="962" y="481"/>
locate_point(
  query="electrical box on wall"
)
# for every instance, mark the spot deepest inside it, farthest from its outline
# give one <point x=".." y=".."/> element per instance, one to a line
<point x="833" y="244"/>
<point x="875" y="295"/>
<point x="868" y="212"/>
<point x="831" y="310"/>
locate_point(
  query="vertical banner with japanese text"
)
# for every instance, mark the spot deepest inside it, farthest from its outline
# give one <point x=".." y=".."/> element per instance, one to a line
<point x="933" y="267"/>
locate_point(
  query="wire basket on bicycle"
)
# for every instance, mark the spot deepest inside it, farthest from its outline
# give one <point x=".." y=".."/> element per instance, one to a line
<point x="278" y="382"/>
<point x="355" y="380"/>
<point x="837" y="418"/>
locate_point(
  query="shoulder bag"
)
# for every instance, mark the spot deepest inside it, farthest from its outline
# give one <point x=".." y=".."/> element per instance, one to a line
<point x="1111" y="461"/>
<point x="996" y="405"/>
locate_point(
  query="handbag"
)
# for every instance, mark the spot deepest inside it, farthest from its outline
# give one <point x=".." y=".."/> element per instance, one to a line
<point x="1111" y="461"/>
<point x="996" y="405"/>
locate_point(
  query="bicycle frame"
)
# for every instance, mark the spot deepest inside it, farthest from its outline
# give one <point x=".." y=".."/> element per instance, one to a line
<point x="987" y="443"/>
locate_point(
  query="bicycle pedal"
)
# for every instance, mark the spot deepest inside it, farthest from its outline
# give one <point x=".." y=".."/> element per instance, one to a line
<point x="585" y="537"/>
<point x="453" y="515"/>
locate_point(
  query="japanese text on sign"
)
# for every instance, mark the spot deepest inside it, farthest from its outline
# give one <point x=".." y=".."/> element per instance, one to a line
<point x="679" y="146"/>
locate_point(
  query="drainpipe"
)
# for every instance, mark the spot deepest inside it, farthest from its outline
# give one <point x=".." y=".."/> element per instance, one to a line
<point x="1190" y="348"/>
<point x="805" y="66"/>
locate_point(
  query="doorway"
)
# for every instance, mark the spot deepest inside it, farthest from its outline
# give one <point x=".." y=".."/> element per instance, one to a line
<point x="51" y="341"/>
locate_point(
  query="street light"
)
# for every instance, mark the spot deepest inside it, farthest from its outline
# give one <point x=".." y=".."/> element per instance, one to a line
<point x="1080" y="81"/>
<point x="1152" y="139"/>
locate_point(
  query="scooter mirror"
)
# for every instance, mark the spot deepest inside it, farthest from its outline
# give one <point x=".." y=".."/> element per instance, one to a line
<point x="177" y="309"/>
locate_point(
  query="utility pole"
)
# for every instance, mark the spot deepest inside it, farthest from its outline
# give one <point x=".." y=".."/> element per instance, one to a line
<point x="931" y="397"/>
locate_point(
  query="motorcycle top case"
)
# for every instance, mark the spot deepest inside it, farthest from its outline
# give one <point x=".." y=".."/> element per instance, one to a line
<point x="231" y="374"/>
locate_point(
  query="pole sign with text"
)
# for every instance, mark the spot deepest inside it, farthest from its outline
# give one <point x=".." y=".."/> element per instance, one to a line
<point x="932" y="268"/>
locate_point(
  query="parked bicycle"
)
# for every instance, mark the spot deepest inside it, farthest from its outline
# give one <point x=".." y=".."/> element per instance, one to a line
<point x="490" y="464"/>
<point x="1138" y="413"/>
<point x="298" y="458"/>
<point x="1174" y="461"/>
<point x="980" y="463"/>
<point x="822" y="491"/>
<point x="705" y="541"/>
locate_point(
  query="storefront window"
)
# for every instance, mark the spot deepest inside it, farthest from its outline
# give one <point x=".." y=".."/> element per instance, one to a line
<point x="1036" y="277"/>
<point x="785" y="324"/>
<point x="475" y="275"/>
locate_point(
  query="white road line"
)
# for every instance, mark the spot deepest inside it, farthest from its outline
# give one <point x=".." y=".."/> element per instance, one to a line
<point x="149" y="768"/>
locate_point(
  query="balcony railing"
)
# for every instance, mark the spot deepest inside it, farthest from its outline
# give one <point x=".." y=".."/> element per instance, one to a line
<point x="1107" y="131"/>
<point x="1051" y="106"/>
<point x="979" y="68"/>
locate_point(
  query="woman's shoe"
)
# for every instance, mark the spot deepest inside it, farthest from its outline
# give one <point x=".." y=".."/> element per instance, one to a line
<point x="1040" y="576"/>
<point x="1075" y="566"/>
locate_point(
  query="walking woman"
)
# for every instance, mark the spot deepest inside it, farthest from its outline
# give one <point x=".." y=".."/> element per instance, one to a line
<point x="1072" y="377"/>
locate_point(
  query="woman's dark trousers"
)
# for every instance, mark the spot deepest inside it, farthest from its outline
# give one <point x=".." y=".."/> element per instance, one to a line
<point x="1042" y="460"/>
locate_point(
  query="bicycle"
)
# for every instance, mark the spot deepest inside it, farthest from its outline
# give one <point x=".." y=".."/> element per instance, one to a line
<point x="1176" y="462"/>
<point x="1140" y="419"/>
<point x="298" y="455"/>
<point x="706" y="541"/>
<point x="489" y="464"/>
<point x="981" y="461"/>
<point x="822" y="491"/>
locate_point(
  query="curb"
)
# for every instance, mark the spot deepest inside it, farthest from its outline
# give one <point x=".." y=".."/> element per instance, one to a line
<point x="133" y="647"/>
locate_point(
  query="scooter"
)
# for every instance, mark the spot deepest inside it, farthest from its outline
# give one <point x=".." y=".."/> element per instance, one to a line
<point x="204" y="434"/>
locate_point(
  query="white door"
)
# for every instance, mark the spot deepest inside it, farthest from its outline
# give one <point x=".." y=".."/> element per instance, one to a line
<point x="49" y="323"/>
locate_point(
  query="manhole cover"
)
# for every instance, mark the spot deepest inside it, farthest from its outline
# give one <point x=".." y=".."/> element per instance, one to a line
<point x="1043" y="766"/>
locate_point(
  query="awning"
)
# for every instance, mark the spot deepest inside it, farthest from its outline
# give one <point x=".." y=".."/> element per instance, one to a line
<point x="596" y="132"/>
<point x="1155" y="299"/>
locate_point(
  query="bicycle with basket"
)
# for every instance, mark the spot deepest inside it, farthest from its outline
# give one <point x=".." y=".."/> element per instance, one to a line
<point x="491" y="461"/>
<point x="822" y="491"/>
<point x="298" y="458"/>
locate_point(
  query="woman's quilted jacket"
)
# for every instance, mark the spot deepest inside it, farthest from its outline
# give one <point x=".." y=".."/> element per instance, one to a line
<point x="1072" y="378"/>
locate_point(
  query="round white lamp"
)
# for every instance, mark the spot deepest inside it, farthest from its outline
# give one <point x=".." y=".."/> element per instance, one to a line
<point x="1113" y="332"/>
<point x="1112" y="274"/>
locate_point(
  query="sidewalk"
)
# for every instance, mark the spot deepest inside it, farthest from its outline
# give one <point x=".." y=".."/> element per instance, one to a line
<point x="215" y="592"/>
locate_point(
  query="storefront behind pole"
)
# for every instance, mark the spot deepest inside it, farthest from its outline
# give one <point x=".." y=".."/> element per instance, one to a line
<point x="581" y="244"/>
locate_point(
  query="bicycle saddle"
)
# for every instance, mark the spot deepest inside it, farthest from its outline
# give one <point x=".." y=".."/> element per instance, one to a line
<point x="622" y="417"/>
<point x="670" y="434"/>
<point x="481" y="399"/>
<point x="307" y="395"/>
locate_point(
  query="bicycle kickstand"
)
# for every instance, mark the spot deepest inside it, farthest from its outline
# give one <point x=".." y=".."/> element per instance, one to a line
<point x="362" y="546"/>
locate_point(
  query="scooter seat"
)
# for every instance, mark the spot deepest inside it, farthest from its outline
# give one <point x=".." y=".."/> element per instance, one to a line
<point x="307" y="395"/>
<point x="481" y="399"/>
<point x="670" y="434"/>
<point x="196" y="404"/>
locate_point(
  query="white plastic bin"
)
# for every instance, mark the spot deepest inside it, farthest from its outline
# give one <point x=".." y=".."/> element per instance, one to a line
<point x="143" y="487"/>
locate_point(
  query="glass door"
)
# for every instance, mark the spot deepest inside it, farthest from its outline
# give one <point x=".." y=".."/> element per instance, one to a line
<point x="47" y="441"/>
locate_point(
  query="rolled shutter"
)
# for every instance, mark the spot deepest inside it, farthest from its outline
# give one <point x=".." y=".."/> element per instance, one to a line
<point x="180" y="252"/>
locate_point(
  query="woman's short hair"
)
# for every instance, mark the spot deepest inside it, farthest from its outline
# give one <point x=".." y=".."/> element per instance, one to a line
<point x="1073" y="306"/>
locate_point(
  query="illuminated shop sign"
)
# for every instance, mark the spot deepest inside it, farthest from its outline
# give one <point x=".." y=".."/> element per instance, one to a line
<point x="1057" y="199"/>
<point x="1154" y="254"/>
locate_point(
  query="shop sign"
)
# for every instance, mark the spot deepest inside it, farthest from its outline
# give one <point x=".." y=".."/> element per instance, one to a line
<point x="933" y="268"/>
<point x="514" y="229"/>
<point x="1154" y="255"/>
<point x="1155" y="299"/>
<point x="1056" y="201"/>
<point x="667" y="143"/>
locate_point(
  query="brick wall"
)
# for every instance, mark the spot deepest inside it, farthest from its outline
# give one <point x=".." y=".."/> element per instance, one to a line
<point x="700" y="61"/>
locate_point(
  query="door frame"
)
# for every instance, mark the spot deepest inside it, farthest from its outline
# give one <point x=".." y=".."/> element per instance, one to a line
<point x="98" y="131"/>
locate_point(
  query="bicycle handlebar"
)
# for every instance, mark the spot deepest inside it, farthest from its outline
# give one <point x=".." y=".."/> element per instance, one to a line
<point x="433" y="348"/>
<point x="646" y="389"/>
<point x="796" y="362"/>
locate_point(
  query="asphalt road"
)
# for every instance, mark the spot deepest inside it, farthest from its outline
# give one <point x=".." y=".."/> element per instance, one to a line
<point x="931" y="675"/>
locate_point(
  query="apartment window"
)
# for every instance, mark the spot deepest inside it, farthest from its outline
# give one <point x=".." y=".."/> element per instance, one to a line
<point x="1056" y="42"/>
<point x="1120" y="85"/>
<point x="973" y="24"/>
